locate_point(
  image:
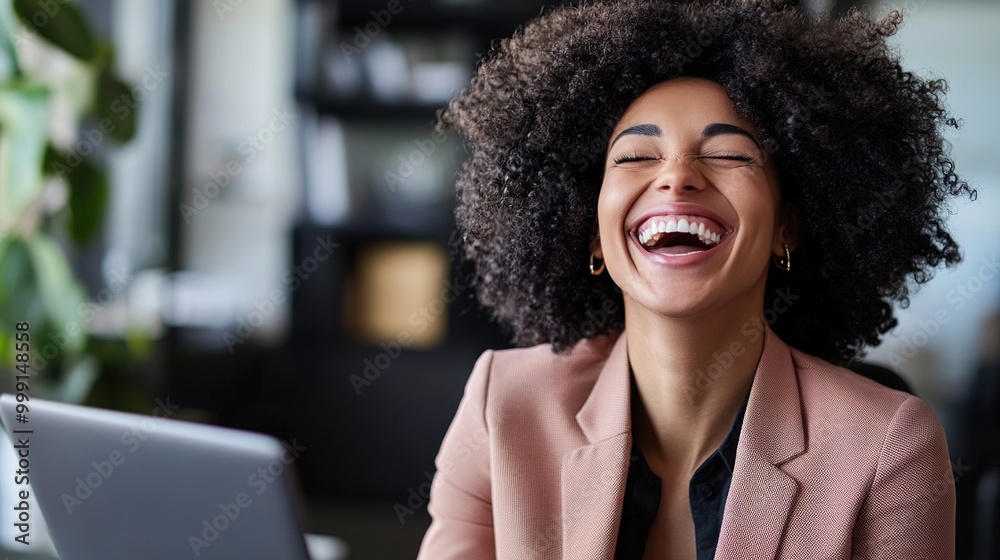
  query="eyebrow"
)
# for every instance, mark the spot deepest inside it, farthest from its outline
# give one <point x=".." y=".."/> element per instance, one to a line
<point x="714" y="129"/>
<point x="640" y="130"/>
<point x="719" y="129"/>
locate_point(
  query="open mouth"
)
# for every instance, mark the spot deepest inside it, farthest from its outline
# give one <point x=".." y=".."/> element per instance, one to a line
<point x="679" y="235"/>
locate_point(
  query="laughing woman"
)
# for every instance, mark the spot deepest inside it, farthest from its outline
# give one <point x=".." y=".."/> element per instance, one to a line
<point x="699" y="214"/>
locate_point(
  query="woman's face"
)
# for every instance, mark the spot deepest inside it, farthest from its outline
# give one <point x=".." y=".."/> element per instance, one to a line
<point x="688" y="212"/>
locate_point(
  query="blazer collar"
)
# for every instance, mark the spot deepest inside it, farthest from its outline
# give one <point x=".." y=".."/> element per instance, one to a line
<point x="607" y="410"/>
<point x="761" y="494"/>
<point x="774" y="402"/>
<point x="773" y="426"/>
<point x="594" y="475"/>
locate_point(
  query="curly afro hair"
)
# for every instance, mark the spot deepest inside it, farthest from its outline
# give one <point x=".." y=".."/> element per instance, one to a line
<point x="857" y="141"/>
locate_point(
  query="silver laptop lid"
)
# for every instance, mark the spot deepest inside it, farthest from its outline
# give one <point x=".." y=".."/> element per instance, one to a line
<point x="117" y="485"/>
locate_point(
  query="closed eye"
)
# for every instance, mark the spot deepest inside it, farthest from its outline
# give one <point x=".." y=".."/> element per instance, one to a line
<point x="635" y="156"/>
<point x="735" y="156"/>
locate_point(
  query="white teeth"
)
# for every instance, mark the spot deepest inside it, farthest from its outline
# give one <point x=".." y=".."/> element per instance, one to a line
<point x="669" y="224"/>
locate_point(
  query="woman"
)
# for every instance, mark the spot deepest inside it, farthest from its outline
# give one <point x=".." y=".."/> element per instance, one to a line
<point x="699" y="213"/>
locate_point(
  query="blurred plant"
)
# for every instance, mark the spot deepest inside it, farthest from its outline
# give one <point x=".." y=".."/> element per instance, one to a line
<point x="55" y="74"/>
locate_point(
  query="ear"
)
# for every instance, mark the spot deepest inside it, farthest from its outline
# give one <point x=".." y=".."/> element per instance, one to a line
<point x="595" y="242"/>
<point x="786" y="230"/>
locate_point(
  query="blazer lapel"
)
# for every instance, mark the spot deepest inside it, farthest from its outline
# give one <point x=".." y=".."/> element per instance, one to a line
<point x="594" y="475"/>
<point x="761" y="495"/>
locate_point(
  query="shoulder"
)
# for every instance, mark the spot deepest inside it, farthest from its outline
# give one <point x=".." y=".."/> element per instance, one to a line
<point x="822" y="380"/>
<point x="838" y="399"/>
<point x="882" y="454"/>
<point x="587" y="355"/>
<point x="524" y="377"/>
<point x="539" y="365"/>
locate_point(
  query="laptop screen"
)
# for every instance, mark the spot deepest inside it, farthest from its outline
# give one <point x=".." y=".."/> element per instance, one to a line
<point x="118" y="485"/>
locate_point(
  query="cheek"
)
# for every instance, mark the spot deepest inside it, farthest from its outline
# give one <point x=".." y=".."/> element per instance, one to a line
<point x="759" y="219"/>
<point x="615" y="199"/>
<point x="607" y="209"/>
<point x="755" y="200"/>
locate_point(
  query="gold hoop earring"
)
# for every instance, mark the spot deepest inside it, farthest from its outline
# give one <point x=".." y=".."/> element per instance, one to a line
<point x="783" y="263"/>
<point x="596" y="271"/>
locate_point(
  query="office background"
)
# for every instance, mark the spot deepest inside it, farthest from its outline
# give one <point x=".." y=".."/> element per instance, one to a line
<point x="278" y="252"/>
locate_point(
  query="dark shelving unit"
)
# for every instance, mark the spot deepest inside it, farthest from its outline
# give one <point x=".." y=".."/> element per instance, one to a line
<point x="487" y="19"/>
<point x="365" y="110"/>
<point x="377" y="445"/>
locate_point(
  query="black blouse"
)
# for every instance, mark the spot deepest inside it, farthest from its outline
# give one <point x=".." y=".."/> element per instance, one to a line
<point x="707" y="490"/>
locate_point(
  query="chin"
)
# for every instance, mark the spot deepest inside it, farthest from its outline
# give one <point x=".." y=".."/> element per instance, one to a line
<point x="673" y="304"/>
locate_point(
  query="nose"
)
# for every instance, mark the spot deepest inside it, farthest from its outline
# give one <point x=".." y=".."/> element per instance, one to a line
<point x="680" y="174"/>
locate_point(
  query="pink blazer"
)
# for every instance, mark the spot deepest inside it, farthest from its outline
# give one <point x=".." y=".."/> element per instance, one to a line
<point x="830" y="465"/>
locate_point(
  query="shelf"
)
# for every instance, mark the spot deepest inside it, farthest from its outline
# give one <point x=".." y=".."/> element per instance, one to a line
<point x="360" y="109"/>
<point x="357" y="232"/>
<point x="478" y="18"/>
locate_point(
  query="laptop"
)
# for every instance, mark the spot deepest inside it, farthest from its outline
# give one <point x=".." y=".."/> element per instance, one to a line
<point x="116" y="485"/>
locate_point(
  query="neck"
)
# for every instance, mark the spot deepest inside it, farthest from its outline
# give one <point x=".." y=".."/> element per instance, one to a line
<point x="690" y="377"/>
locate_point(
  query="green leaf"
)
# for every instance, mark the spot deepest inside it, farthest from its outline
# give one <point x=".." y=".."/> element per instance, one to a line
<point x="116" y="103"/>
<point x="20" y="298"/>
<point x="24" y="120"/>
<point x="6" y="350"/>
<point x="8" y="26"/>
<point x="77" y="381"/>
<point x="61" y="23"/>
<point x="88" y="193"/>
<point x="37" y="287"/>
<point x="139" y="341"/>
<point x="88" y="201"/>
<point x="60" y="294"/>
